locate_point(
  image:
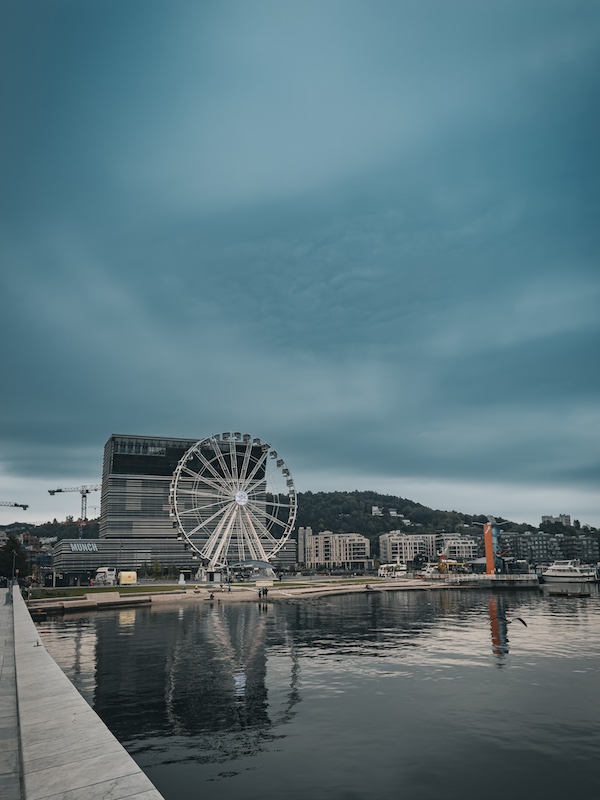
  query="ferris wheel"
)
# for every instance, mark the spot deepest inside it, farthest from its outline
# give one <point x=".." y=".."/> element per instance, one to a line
<point x="233" y="500"/>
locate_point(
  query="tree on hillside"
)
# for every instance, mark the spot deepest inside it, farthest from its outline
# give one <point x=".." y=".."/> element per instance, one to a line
<point x="13" y="558"/>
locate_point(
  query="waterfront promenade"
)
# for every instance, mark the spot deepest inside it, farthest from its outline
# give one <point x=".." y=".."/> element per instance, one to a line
<point x="53" y="746"/>
<point x="280" y="591"/>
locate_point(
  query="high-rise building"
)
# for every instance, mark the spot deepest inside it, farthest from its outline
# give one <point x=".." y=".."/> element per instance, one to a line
<point x="136" y="477"/>
<point x="302" y="534"/>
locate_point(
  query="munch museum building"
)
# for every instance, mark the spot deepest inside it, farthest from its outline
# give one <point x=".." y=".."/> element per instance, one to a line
<point x="135" y="527"/>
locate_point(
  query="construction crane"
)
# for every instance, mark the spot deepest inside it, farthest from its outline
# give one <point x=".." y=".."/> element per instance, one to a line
<point x="24" y="506"/>
<point x="83" y="491"/>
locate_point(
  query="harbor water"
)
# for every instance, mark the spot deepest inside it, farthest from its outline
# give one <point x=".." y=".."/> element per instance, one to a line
<point x="457" y="694"/>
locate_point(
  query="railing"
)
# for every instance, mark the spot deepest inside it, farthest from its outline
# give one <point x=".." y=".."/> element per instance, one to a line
<point x="516" y="576"/>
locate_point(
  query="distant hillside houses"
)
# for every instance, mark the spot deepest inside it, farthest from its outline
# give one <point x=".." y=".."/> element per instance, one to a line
<point x="562" y="519"/>
<point x="378" y="511"/>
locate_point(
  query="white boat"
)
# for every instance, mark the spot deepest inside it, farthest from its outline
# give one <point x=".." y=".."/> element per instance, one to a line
<point x="570" y="572"/>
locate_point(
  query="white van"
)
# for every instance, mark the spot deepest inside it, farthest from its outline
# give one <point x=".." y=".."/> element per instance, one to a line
<point x="392" y="571"/>
<point x="105" y="576"/>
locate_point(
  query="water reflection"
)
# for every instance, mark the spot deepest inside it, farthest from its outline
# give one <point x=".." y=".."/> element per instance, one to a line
<point x="216" y="673"/>
<point x="210" y="692"/>
<point x="188" y="675"/>
<point x="498" y="627"/>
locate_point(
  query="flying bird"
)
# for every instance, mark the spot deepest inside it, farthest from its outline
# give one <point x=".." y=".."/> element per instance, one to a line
<point x="509" y="621"/>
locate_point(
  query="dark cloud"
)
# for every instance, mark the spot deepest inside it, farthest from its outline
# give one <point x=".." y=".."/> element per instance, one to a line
<point x="370" y="238"/>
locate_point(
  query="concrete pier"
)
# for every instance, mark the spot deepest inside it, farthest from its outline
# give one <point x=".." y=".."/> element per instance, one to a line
<point x="10" y="753"/>
<point x="57" y="748"/>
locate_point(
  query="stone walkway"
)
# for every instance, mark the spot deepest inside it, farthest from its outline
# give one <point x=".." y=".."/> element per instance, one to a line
<point x="10" y="771"/>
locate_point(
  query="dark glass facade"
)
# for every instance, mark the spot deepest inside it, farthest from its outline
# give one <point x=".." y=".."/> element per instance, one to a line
<point x="136" y="477"/>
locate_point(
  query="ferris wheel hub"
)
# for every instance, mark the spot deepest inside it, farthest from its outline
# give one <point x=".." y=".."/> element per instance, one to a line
<point x="241" y="498"/>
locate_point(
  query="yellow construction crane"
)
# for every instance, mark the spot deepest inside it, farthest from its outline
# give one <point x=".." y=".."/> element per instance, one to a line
<point x="83" y="491"/>
<point x="24" y="506"/>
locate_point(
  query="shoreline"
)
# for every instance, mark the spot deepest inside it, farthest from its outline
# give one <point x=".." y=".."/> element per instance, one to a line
<point x="239" y="594"/>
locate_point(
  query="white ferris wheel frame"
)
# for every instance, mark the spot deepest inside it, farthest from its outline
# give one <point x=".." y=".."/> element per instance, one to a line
<point x="229" y="499"/>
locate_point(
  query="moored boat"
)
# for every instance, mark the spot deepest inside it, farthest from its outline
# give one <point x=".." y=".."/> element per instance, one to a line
<point x="570" y="571"/>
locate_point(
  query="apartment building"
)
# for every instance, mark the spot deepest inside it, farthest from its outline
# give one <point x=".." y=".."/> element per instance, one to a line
<point x="350" y="551"/>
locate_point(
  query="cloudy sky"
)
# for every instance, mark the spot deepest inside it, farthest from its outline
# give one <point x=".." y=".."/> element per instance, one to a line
<point x="366" y="232"/>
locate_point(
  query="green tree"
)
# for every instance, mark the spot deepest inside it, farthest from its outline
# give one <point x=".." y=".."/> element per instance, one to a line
<point x="157" y="568"/>
<point x="13" y="556"/>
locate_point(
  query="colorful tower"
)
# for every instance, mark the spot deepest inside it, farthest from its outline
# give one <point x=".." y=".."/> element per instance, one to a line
<point x="490" y="541"/>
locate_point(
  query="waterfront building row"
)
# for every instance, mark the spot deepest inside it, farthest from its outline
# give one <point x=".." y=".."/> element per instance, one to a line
<point x="535" y="547"/>
<point x="399" y="547"/>
<point x="544" y="548"/>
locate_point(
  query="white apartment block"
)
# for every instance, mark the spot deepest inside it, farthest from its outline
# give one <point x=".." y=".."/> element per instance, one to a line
<point x="564" y="519"/>
<point x="398" y="547"/>
<point x="458" y="548"/>
<point x="345" y="550"/>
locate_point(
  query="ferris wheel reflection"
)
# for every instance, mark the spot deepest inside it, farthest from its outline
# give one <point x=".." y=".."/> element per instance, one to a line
<point x="232" y="669"/>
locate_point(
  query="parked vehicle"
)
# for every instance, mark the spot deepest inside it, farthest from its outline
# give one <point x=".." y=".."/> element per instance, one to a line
<point x="127" y="578"/>
<point x="392" y="571"/>
<point x="105" y="576"/>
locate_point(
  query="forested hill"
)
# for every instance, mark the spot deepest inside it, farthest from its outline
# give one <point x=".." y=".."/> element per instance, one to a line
<point x="350" y="512"/>
<point x="69" y="529"/>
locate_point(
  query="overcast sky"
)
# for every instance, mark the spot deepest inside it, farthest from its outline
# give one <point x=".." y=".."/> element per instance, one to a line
<point x="366" y="232"/>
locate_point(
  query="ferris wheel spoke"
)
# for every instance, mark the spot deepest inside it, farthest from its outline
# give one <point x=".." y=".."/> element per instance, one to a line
<point x="206" y="498"/>
<point x="262" y="531"/>
<point x="227" y="476"/>
<point x="208" y="465"/>
<point x="207" y="521"/>
<point x="266" y="514"/>
<point x="198" y="477"/>
<point x="202" y="508"/>
<point x="260" y="462"/>
<point x="233" y="461"/>
<point x="200" y="492"/>
<point x="208" y="551"/>
<point x="219" y="539"/>
<point x="263" y="502"/>
<point x="257" y="486"/>
<point x="245" y="462"/>
<point x="253" y="540"/>
<point x="243" y="544"/>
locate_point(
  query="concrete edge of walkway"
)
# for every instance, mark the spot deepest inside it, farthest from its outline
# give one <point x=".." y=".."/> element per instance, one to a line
<point x="67" y="751"/>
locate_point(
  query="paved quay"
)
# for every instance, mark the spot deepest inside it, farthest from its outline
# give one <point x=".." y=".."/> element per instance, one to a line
<point x="10" y="754"/>
<point x="279" y="591"/>
<point x="92" y="601"/>
<point x="66" y="751"/>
